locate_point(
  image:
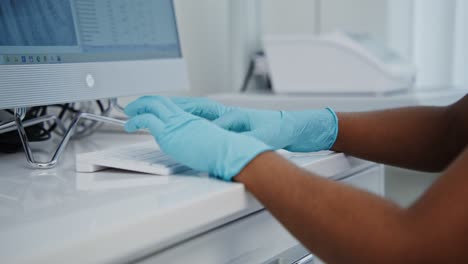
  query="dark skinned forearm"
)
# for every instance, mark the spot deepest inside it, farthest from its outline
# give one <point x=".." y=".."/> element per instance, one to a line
<point x="421" y="138"/>
<point x="328" y="218"/>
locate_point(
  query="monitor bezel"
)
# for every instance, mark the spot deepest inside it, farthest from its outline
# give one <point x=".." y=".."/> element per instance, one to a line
<point x="47" y="84"/>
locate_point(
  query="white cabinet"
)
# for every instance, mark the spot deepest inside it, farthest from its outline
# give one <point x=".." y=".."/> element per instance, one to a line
<point x="256" y="238"/>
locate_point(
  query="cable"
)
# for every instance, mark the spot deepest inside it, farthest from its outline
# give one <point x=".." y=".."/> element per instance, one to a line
<point x="10" y="142"/>
<point x="66" y="113"/>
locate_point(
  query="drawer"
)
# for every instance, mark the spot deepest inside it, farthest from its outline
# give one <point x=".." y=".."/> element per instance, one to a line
<point x="252" y="239"/>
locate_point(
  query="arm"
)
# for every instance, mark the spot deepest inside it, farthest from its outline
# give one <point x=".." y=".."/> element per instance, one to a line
<point x="422" y="138"/>
<point x="341" y="224"/>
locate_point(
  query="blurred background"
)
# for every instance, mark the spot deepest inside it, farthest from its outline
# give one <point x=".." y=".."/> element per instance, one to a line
<point x="220" y="36"/>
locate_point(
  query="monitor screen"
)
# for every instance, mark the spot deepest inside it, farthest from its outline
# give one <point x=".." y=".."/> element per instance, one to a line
<point x="71" y="31"/>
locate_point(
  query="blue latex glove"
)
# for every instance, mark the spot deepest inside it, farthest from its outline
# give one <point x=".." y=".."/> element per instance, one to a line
<point x="298" y="131"/>
<point x="191" y="140"/>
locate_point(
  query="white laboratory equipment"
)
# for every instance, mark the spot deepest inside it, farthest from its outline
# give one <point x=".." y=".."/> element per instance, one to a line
<point x="335" y="63"/>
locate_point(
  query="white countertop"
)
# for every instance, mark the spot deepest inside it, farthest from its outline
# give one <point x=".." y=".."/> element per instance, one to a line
<point x="61" y="216"/>
<point x="347" y="102"/>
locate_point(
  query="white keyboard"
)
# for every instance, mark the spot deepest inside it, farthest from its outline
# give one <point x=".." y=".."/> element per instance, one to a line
<point x="148" y="158"/>
<point x="145" y="157"/>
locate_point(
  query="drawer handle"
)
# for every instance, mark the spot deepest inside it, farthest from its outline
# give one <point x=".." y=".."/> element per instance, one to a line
<point x="305" y="260"/>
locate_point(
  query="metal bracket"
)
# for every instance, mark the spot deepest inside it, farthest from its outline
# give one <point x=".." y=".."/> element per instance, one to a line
<point x="11" y="126"/>
<point x="19" y="115"/>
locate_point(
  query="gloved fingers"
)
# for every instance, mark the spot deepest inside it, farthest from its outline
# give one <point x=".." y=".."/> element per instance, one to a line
<point x="141" y="105"/>
<point x="159" y="106"/>
<point x="201" y="107"/>
<point x="145" y="121"/>
<point x="234" y="121"/>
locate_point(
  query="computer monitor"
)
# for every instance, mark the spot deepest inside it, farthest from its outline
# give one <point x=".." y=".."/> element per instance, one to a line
<point x="57" y="51"/>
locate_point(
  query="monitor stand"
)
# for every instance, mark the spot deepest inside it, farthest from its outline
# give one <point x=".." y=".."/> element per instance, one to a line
<point x="20" y="113"/>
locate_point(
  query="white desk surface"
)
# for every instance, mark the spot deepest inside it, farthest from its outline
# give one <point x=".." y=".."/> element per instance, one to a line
<point x="438" y="97"/>
<point x="60" y="216"/>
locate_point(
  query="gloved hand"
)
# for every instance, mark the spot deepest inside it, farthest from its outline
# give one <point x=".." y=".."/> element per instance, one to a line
<point x="191" y="140"/>
<point x="298" y="131"/>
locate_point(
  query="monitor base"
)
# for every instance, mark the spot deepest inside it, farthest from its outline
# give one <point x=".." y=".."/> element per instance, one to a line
<point x="19" y="115"/>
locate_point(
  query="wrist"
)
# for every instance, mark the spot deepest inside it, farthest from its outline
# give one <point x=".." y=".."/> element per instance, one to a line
<point x="312" y="130"/>
<point x="255" y="167"/>
<point x="240" y="152"/>
<point x="334" y="129"/>
<point x="339" y="144"/>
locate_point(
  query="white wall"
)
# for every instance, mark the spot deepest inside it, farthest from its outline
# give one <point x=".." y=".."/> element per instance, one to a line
<point x="460" y="74"/>
<point x="218" y="37"/>
<point x="291" y="16"/>
<point x="434" y="33"/>
<point x="433" y="42"/>
<point x="399" y="31"/>
<point x="204" y="30"/>
<point x="245" y="38"/>
<point x="369" y="16"/>
<point x="316" y="16"/>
